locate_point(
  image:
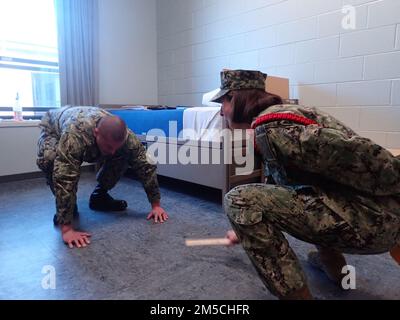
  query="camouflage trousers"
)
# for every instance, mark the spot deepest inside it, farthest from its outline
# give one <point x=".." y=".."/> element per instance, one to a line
<point x="109" y="174"/>
<point x="260" y="213"/>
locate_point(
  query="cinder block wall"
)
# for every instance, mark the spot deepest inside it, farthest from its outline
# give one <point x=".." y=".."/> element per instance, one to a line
<point x="353" y="74"/>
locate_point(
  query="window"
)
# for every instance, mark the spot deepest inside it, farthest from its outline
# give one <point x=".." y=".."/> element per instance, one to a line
<point x="28" y="56"/>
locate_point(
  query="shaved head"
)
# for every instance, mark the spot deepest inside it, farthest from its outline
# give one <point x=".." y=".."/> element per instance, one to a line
<point x="110" y="134"/>
<point x="112" y="127"/>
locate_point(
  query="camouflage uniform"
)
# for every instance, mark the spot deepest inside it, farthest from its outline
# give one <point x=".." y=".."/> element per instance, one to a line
<point x="67" y="140"/>
<point x="331" y="197"/>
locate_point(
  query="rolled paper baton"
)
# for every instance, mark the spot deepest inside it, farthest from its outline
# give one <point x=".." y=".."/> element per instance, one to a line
<point x="207" y="242"/>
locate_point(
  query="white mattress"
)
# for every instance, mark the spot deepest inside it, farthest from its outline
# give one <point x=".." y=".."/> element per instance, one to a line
<point x="202" y="123"/>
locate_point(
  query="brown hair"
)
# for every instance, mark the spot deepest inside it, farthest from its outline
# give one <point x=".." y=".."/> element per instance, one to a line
<point x="249" y="103"/>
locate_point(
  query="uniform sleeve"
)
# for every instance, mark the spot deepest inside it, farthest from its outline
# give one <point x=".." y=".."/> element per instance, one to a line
<point x="66" y="175"/>
<point x="353" y="161"/>
<point x="146" y="172"/>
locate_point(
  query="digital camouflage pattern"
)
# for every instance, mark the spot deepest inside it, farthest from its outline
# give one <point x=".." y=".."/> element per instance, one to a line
<point x="347" y="197"/>
<point x="67" y="140"/>
<point x="333" y="151"/>
<point x="239" y="79"/>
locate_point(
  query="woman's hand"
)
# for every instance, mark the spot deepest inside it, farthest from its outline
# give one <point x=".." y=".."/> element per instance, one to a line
<point x="232" y="237"/>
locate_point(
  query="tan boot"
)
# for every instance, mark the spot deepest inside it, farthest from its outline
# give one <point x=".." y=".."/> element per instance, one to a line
<point x="301" y="294"/>
<point x="329" y="261"/>
<point x="395" y="253"/>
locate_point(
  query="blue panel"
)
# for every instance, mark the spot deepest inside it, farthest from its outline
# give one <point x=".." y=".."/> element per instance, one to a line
<point x="141" y="121"/>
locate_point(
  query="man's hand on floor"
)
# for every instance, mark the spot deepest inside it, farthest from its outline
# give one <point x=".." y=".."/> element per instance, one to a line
<point x="74" y="238"/>
<point x="232" y="237"/>
<point x="158" y="214"/>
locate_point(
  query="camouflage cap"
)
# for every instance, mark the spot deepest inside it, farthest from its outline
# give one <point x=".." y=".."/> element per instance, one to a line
<point x="239" y="79"/>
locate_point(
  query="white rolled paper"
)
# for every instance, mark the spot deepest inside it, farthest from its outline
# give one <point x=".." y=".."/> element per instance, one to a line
<point x="207" y="242"/>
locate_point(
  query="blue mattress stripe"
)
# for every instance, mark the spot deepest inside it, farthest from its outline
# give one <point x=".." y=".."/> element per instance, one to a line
<point x="141" y="121"/>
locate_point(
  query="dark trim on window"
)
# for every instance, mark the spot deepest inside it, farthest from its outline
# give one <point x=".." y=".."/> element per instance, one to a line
<point x="31" y="109"/>
<point x="38" y="112"/>
<point x="30" y="61"/>
<point x="30" y="68"/>
<point x="34" y="117"/>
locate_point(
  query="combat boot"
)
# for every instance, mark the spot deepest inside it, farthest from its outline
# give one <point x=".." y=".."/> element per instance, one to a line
<point x="331" y="262"/>
<point x="100" y="200"/>
<point x="301" y="294"/>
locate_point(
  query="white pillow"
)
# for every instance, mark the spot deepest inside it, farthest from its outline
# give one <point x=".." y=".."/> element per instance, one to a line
<point x="208" y="96"/>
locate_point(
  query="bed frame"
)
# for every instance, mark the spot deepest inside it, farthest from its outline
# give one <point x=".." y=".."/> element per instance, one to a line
<point x="220" y="176"/>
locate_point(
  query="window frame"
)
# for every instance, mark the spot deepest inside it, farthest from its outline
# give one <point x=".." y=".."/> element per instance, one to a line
<point x="8" y="62"/>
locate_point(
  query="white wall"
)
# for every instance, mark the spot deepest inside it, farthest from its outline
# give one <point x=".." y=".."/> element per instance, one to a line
<point x="18" y="141"/>
<point x="353" y="74"/>
<point x="127" y="52"/>
<point x="19" y="147"/>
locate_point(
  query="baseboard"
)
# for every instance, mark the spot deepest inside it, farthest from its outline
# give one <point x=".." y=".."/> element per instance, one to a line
<point x="22" y="176"/>
<point x="34" y="175"/>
